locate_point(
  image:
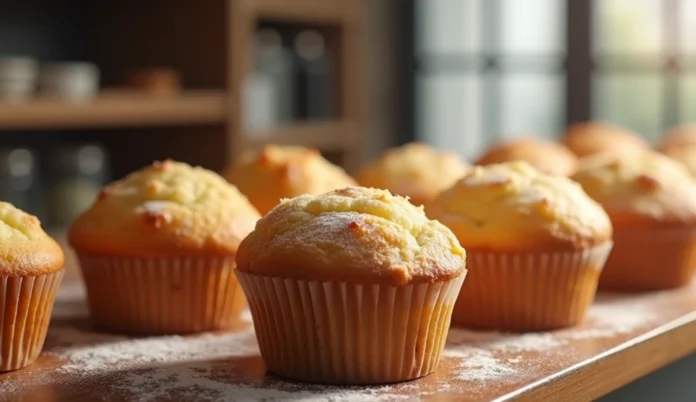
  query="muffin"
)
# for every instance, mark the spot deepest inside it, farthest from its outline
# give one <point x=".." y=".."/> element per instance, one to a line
<point x="678" y="137"/>
<point x="157" y="251"/>
<point x="355" y="286"/>
<point x="680" y="144"/>
<point x="651" y="201"/>
<point x="595" y="137"/>
<point x="684" y="154"/>
<point x="31" y="268"/>
<point x="414" y="170"/>
<point x="278" y="172"/>
<point x="546" y="156"/>
<point x="535" y="245"/>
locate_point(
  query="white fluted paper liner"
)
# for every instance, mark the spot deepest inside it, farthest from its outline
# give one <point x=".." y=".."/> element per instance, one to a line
<point x="345" y="333"/>
<point x="24" y="317"/>
<point x="161" y="295"/>
<point x="529" y="291"/>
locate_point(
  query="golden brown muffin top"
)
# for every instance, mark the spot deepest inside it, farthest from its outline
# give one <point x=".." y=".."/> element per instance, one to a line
<point x="512" y="207"/>
<point x="546" y="156"/>
<point x="25" y="249"/>
<point x="640" y="189"/>
<point x="594" y="137"/>
<point x="353" y="234"/>
<point x="677" y="137"/>
<point x="168" y="208"/>
<point x="415" y="170"/>
<point x="278" y="172"/>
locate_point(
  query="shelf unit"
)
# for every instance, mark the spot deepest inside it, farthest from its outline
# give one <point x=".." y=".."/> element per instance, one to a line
<point x="212" y="45"/>
<point x="343" y="23"/>
<point x="116" y="109"/>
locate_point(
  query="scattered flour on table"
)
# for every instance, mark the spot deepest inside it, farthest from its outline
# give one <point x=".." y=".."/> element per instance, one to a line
<point x="614" y="318"/>
<point x="494" y="356"/>
<point x="199" y="383"/>
<point x="122" y="353"/>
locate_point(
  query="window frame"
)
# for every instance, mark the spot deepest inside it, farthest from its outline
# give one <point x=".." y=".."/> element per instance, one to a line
<point x="580" y="64"/>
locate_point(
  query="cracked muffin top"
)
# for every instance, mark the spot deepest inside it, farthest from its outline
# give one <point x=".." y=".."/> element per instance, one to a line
<point x="25" y="249"/>
<point x="414" y="170"/>
<point x="512" y="207"/>
<point x="546" y="156"/>
<point x="168" y="208"/>
<point x="640" y="190"/>
<point x="278" y="172"/>
<point x="354" y="234"/>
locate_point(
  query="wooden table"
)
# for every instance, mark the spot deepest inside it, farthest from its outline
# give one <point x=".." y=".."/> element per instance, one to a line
<point x="625" y="337"/>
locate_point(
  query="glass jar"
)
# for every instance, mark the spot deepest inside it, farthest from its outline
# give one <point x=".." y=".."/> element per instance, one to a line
<point x="79" y="173"/>
<point x="19" y="179"/>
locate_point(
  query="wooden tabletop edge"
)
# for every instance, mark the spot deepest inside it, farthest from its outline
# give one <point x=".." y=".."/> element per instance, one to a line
<point x="616" y="367"/>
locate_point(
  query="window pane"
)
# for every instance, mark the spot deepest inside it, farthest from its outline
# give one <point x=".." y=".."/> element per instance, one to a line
<point x="532" y="104"/>
<point x="688" y="26"/>
<point x="449" y="112"/>
<point x="533" y="26"/>
<point x="632" y="100"/>
<point x="628" y="26"/>
<point x="688" y="98"/>
<point x="448" y="26"/>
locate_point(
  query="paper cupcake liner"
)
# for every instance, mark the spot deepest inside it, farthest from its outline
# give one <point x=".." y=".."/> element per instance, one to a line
<point x="162" y="295"/>
<point x="24" y="316"/>
<point x="344" y="333"/>
<point x="529" y="291"/>
<point x="650" y="259"/>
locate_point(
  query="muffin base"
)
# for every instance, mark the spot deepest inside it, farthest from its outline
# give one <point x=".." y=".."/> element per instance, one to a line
<point x="650" y="259"/>
<point x="521" y="292"/>
<point x="344" y="333"/>
<point x="176" y="295"/>
<point x="25" y="313"/>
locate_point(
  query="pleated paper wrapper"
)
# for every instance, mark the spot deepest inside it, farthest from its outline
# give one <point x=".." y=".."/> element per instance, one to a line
<point x="343" y="333"/>
<point x="175" y="295"/>
<point x="24" y="317"/>
<point x="650" y="259"/>
<point x="529" y="291"/>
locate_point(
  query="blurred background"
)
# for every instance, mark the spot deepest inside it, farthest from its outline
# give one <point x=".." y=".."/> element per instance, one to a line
<point x="94" y="90"/>
<point x="90" y="91"/>
<point x="506" y="67"/>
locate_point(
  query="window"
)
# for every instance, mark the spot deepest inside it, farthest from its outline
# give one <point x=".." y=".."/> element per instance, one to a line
<point x="641" y="50"/>
<point x="484" y="70"/>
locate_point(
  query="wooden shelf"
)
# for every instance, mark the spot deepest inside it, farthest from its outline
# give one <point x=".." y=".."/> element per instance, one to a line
<point x="326" y="136"/>
<point x="116" y="108"/>
<point x="624" y="338"/>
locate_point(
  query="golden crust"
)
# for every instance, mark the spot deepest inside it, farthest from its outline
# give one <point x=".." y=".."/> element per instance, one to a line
<point x="166" y="209"/>
<point x="353" y="234"/>
<point x="639" y="190"/>
<point x="278" y="172"/>
<point x="678" y="137"/>
<point x="546" y="156"/>
<point x="414" y="170"/>
<point x="25" y="249"/>
<point x="598" y="137"/>
<point x="512" y="207"/>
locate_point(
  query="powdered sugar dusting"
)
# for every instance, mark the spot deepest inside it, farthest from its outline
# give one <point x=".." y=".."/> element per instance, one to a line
<point x="135" y="353"/>
<point x="485" y="357"/>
